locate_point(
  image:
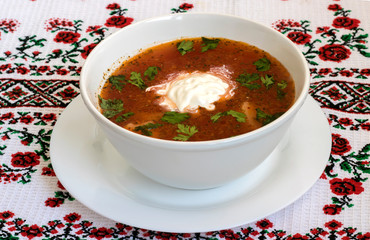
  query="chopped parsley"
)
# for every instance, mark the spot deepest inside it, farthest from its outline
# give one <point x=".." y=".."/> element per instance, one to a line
<point x="185" y="46"/>
<point x="151" y="72"/>
<point x="136" y="80"/>
<point x="249" y="80"/>
<point x="124" y="117"/>
<point x="240" y="117"/>
<point x="280" y="86"/>
<point x="209" y="44"/>
<point x="110" y="107"/>
<point x="262" y="64"/>
<point x="266" y="118"/>
<point x="145" y="128"/>
<point x="185" y="132"/>
<point x="174" y="117"/>
<point x="267" y="80"/>
<point x="117" y="81"/>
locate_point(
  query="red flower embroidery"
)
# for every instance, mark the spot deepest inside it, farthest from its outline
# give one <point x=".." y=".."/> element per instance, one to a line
<point x="100" y="233"/>
<point x="32" y="231"/>
<point x="186" y="6"/>
<point x="49" y="117"/>
<point x="340" y="145"/>
<point x="346" y="73"/>
<point x="325" y="71"/>
<point x="43" y="69"/>
<point x="299" y="37"/>
<point x="345" y="22"/>
<point x="72" y="217"/>
<point x="333" y="225"/>
<point x="26" y="119"/>
<point x="87" y="49"/>
<point x="346" y="186"/>
<point x="335" y="7"/>
<point x="334" y="52"/>
<point x="24" y="160"/>
<point x="6" y="215"/>
<point x="22" y="70"/>
<point x="66" y="37"/>
<point x="332" y="209"/>
<point x="118" y="21"/>
<point x="345" y="121"/>
<point x="365" y="71"/>
<point x="113" y="6"/>
<point x="54" y="202"/>
<point x="264" y="224"/>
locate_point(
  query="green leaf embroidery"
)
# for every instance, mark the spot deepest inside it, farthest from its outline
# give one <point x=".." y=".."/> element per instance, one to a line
<point x="262" y="64"/>
<point x="185" y="132"/>
<point x="185" y="46"/>
<point x="209" y="44"/>
<point x="174" y="117"/>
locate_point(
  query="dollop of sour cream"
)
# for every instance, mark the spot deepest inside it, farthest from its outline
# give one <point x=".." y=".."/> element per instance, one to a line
<point x="187" y="92"/>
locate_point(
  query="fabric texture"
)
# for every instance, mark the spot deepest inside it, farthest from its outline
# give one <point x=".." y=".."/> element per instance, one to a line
<point x="43" y="46"/>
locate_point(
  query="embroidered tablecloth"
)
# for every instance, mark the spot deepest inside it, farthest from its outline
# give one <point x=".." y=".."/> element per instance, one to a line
<point x="43" y="46"/>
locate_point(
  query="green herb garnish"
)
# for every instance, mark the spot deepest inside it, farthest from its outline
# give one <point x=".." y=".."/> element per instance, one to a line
<point x="248" y="80"/>
<point x="185" y="132"/>
<point x="145" y="128"/>
<point x="185" y="46"/>
<point x="266" y="118"/>
<point x="124" y="117"/>
<point x="110" y="107"/>
<point x="117" y="81"/>
<point x="151" y="72"/>
<point x="209" y="44"/>
<point x="175" y="117"/>
<point x="262" y="64"/>
<point x="267" y="80"/>
<point x="280" y="86"/>
<point x="136" y="80"/>
<point x="240" y="117"/>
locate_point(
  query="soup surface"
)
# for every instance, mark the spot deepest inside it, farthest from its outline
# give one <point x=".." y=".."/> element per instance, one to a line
<point x="197" y="89"/>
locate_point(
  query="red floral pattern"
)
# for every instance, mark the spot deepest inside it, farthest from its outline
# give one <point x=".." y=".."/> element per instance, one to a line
<point x="73" y="39"/>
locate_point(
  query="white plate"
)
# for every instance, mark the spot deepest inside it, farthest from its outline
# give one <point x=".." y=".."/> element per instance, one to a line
<point x="94" y="173"/>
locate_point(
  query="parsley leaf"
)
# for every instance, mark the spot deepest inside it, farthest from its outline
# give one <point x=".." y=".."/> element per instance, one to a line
<point x="240" y="117"/>
<point x="283" y="84"/>
<point x="266" y="118"/>
<point x="124" y="117"/>
<point x="145" y="128"/>
<point x="136" y="80"/>
<point x="117" y="81"/>
<point x="209" y="44"/>
<point x="267" y="80"/>
<point x="174" y="117"/>
<point x="185" y="132"/>
<point x="110" y="107"/>
<point x="280" y="86"/>
<point x="262" y="64"/>
<point x="151" y="72"/>
<point x="185" y="46"/>
<point x="248" y="80"/>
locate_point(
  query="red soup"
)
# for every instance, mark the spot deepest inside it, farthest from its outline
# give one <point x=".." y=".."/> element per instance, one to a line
<point x="197" y="89"/>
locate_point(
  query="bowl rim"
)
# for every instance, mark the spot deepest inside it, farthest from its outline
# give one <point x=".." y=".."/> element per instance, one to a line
<point x="192" y="145"/>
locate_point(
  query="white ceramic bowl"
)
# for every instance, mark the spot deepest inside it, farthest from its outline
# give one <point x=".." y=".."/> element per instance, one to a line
<point x="192" y="165"/>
